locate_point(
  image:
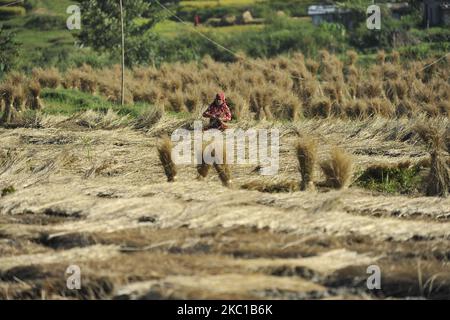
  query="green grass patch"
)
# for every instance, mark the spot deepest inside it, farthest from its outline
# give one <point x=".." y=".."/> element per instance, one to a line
<point x="68" y="102"/>
<point x="391" y="179"/>
<point x="45" y="22"/>
<point x="425" y="50"/>
<point x="29" y="39"/>
<point x="173" y="29"/>
<point x="58" y="7"/>
<point x="8" y="190"/>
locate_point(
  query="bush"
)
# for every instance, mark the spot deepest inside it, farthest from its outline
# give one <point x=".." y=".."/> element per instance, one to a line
<point x="9" y="51"/>
<point x="433" y="34"/>
<point x="393" y="32"/>
<point x="8" y="190"/>
<point x="391" y="178"/>
<point x="280" y="36"/>
<point x="284" y="35"/>
<point x="29" y="4"/>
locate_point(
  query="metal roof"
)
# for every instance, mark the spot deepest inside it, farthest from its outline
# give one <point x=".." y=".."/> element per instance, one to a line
<point x="398" y="6"/>
<point x="321" y="9"/>
<point x="327" y="9"/>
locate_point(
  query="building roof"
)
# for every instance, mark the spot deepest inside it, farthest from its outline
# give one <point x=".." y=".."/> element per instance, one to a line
<point x="398" y="6"/>
<point x="322" y="9"/>
<point x="327" y="9"/>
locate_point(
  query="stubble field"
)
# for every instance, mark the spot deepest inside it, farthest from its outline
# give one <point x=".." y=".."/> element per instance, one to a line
<point x="99" y="199"/>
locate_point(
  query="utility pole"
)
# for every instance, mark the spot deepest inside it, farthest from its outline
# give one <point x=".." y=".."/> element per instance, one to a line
<point x="122" y="92"/>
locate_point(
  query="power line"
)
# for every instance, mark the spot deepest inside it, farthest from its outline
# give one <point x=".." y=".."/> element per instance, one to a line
<point x="11" y="4"/>
<point x="196" y="31"/>
<point x="213" y="41"/>
<point x="252" y="62"/>
<point x="223" y="47"/>
<point x="434" y="62"/>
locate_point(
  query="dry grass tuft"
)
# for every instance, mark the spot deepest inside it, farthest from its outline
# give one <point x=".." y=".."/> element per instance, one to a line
<point x="306" y="155"/>
<point x="8" y="93"/>
<point x="286" y="89"/>
<point x="165" y="156"/>
<point x="203" y="168"/>
<point x="337" y="169"/>
<point x="49" y="78"/>
<point x="149" y="118"/>
<point x="222" y="168"/>
<point x="352" y="57"/>
<point x="320" y="107"/>
<point x="35" y="102"/>
<point x="381" y="57"/>
<point x="430" y="135"/>
<point x="88" y="83"/>
<point x="224" y="171"/>
<point x="101" y="120"/>
<point x="437" y="182"/>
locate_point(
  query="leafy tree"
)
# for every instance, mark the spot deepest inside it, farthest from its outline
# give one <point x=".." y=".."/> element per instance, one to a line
<point x="391" y="28"/>
<point x="101" y="26"/>
<point x="9" y="51"/>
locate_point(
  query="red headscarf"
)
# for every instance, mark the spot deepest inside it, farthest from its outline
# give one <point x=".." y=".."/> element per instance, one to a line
<point x="222" y="111"/>
<point x="220" y="96"/>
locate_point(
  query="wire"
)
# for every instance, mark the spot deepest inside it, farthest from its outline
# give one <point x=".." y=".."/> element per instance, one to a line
<point x="215" y="42"/>
<point x="223" y="47"/>
<point x="12" y="3"/>
<point x="249" y="61"/>
<point x="434" y="62"/>
<point x="196" y="31"/>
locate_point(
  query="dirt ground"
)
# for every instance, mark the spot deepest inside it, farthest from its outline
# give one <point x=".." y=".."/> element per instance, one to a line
<point x="99" y="199"/>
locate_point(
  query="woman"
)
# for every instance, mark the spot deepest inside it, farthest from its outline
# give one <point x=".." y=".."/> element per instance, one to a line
<point x="218" y="113"/>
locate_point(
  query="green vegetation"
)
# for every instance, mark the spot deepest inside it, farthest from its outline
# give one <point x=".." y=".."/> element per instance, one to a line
<point x="215" y="3"/>
<point x="258" y="8"/>
<point x="10" y="49"/>
<point x="44" y="38"/>
<point x="50" y="6"/>
<point x="8" y="190"/>
<point x="172" y="29"/>
<point x="401" y="179"/>
<point x="102" y="27"/>
<point x="154" y="37"/>
<point x="68" y="102"/>
<point x="280" y="36"/>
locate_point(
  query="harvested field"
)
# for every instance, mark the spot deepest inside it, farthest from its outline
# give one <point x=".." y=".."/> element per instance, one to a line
<point x="100" y="199"/>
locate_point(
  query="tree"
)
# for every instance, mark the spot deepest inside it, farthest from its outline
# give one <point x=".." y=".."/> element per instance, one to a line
<point x="391" y="28"/>
<point x="9" y="51"/>
<point x="101" y="26"/>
